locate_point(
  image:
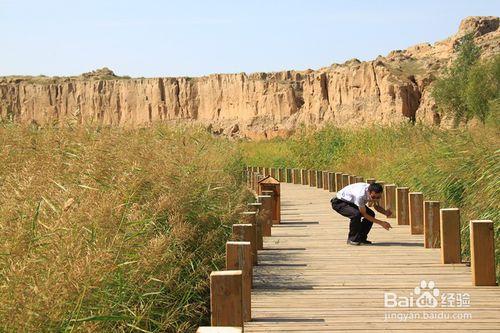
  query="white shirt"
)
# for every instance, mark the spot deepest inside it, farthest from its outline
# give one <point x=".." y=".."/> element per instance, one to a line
<point x="356" y="193"/>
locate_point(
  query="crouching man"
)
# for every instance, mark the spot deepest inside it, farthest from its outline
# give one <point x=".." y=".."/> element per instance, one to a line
<point x="351" y="202"/>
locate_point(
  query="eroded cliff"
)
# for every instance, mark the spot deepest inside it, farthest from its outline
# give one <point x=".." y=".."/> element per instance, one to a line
<point x="387" y="90"/>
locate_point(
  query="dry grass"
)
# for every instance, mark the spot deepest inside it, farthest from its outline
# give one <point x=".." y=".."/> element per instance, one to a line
<point x="106" y="229"/>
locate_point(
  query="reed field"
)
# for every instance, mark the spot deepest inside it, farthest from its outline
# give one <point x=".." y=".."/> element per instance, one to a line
<point x="113" y="230"/>
<point x="107" y="229"/>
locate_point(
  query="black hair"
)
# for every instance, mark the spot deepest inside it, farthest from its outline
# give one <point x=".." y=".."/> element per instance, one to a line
<point x="375" y="187"/>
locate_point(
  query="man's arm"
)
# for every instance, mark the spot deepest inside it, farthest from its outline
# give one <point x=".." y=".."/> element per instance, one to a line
<point x="384" y="224"/>
<point x="378" y="208"/>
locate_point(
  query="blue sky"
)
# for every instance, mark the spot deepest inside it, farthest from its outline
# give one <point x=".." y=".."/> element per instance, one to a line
<point x="192" y="38"/>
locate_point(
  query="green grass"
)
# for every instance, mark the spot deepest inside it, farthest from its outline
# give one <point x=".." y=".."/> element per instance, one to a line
<point x="460" y="168"/>
<point x="112" y="230"/>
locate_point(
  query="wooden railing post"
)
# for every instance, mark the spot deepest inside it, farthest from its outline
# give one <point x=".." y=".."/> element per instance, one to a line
<point x="403" y="214"/>
<point x="319" y="179"/>
<point x="288" y="175"/>
<point x="273" y="173"/>
<point x="304" y="177"/>
<point x="325" y="180"/>
<point x="312" y="178"/>
<point x="431" y="224"/>
<point x="226" y="301"/>
<point x="338" y="181"/>
<point x="382" y="198"/>
<point x="265" y="219"/>
<point x="359" y="179"/>
<point x="416" y="204"/>
<point x="345" y="180"/>
<point x="352" y="179"/>
<point x="331" y="182"/>
<point x="482" y="252"/>
<point x="450" y="236"/>
<point x="370" y="180"/>
<point x="297" y="176"/>
<point x="251" y="218"/>
<point x="390" y="198"/>
<point x="239" y="257"/>
<point x="245" y="233"/>
<point x="281" y="177"/>
<point x="270" y="184"/>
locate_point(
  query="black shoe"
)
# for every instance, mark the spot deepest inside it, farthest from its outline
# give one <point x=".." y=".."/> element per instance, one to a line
<point x="366" y="242"/>
<point x="350" y="242"/>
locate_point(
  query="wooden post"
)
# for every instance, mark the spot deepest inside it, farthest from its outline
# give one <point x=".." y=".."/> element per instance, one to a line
<point x="254" y="206"/>
<point x="312" y="178"/>
<point x="266" y="172"/>
<point x="251" y="218"/>
<point x="338" y="181"/>
<point x="245" y="233"/>
<point x="265" y="219"/>
<point x="239" y="257"/>
<point x="226" y="303"/>
<point x="482" y="252"/>
<point x="325" y="180"/>
<point x="381" y="202"/>
<point x="390" y="198"/>
<point x="403" y="213"/>
<point x="359" y="179"/>
<point x="288" y="175"/>
<point x="271" y="184"/>
<point x="296" y="173"/>
<point x="319" y="179"/>
<point x="431" y="224"/>
<point x="416" y="204"/>
<point x="280" y="175"/>
<point x="345" y="180"/>
<point x="450" y="236"/>
<point x="352" y="179"/>
<point x="304" y="177"/>
<point x="273" y="172"/>
<point x="331" y="182"/>
<point x="248" y="179"/>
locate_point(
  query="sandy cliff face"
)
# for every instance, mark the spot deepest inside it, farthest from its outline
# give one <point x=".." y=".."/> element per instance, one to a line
<point x="387" y="90"/>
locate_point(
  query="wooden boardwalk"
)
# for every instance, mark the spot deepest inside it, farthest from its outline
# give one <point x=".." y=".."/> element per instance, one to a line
<point x="309" y="280"/>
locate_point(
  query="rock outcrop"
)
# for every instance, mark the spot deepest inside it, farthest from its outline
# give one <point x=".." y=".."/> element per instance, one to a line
<point x="387" y="90"/>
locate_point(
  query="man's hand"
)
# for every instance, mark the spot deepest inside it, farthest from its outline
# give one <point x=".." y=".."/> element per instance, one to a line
<point x="388" y="212"/>
<point x="385" y="225"/>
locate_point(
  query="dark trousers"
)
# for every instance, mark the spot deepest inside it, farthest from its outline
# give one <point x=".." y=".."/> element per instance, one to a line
<point x="359" y="226"/>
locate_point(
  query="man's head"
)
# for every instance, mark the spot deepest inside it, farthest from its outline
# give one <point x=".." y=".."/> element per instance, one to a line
<point x="375" y="191"/>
